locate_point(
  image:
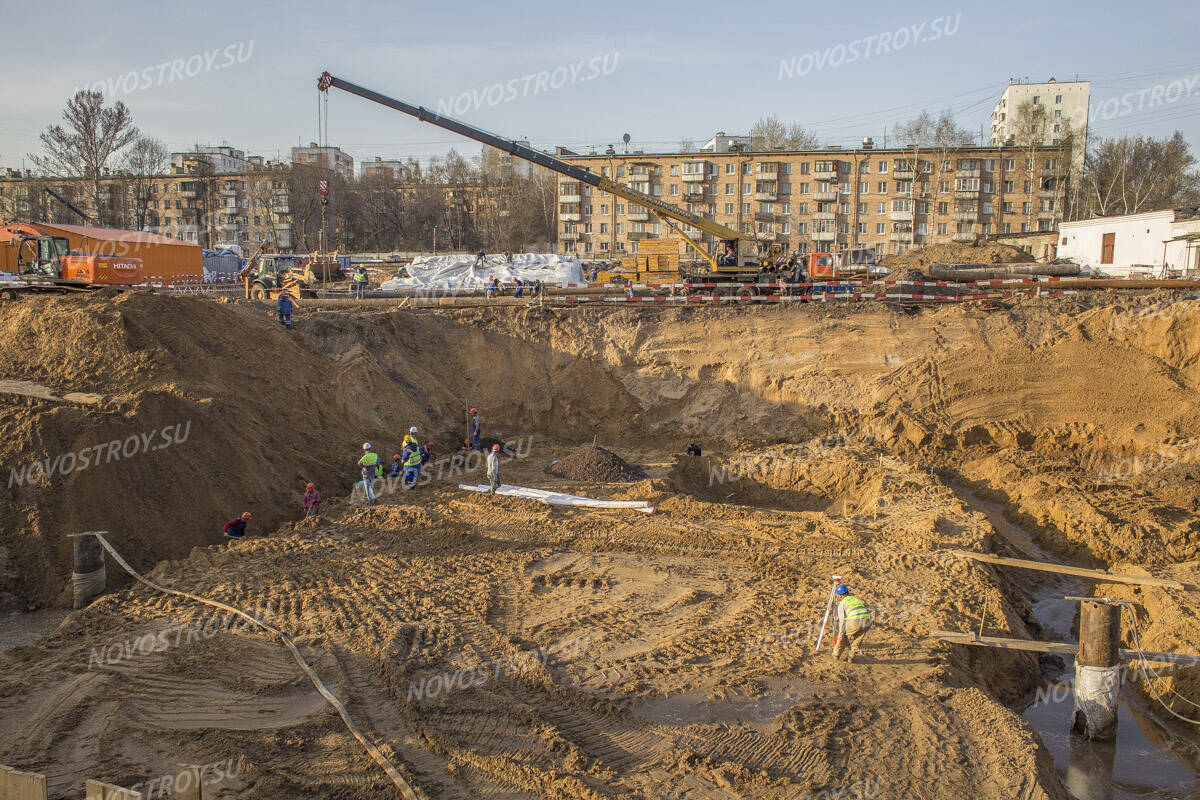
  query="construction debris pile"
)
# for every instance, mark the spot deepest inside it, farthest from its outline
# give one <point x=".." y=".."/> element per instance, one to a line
<point x="470" y="272"/>
<point x="592" y="464"/>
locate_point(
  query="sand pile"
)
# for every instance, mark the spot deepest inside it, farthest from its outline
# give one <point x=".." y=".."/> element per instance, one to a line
<point x="594" y="464"/>
<point x="911" y="265"/>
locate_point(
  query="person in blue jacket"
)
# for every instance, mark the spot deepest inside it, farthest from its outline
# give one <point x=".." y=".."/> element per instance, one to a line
<point x="285" y="311"/>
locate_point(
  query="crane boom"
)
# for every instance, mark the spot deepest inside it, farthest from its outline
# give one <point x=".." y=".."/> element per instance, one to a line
<point x="664" y="211"/>
<point x="88" y="220"/>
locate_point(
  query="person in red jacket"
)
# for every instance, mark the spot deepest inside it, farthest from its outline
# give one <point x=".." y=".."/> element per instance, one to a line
<point x="312" y="500"/>
<point x="236" y="529"/>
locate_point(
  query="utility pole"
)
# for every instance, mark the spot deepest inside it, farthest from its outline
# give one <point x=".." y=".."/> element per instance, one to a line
<point x="1097" y="670"/>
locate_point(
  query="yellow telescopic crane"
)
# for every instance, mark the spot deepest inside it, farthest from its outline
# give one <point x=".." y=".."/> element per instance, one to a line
<point x="743" y="263"/>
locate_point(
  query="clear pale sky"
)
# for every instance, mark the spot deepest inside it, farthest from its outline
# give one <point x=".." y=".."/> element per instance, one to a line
<point x="245" y="73"/>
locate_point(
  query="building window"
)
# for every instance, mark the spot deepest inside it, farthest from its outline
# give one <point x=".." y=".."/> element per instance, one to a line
<point x="883" y="167"/>
<point x="882" y="188"/>
<point x="729" y="188"/>
<point x="729" y="208"/>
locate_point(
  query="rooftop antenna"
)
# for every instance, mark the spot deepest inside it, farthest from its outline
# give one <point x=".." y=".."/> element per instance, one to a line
<point x="625" y="139"/>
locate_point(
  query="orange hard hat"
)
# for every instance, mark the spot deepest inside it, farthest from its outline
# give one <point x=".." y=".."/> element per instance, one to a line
<point x="308" y="486"/>
<point x="473" y="411"/>
<point x="245" y="515"/>
<point x="495" y="447"/>
<point x="396" y="457"/>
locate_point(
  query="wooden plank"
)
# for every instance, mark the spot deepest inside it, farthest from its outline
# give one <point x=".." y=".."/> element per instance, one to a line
<point x="1063" y="569"/>
<point x="1058" y="648"/>
<point x="17" y="785"/>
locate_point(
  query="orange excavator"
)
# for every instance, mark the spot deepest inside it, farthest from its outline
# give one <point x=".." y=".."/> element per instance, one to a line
<point x="32" y="260"/>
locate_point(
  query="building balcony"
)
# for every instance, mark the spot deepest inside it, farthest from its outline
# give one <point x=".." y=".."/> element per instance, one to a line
<point x="826" y="197"/>
<point x="903" y="174"/>
<point x="763" y="216"/>
<point x="693" y="177"/>
<point x="824" y="236"/>
<point x="570" y="198"/>
<point x="900" y="216"/>
<point x="767" y="197"/>
<point x="963" y="237"/>
<point x="765" y="173"/>
<point x="825" y="175"/>
<point x="637" y="236"/>
<point x="966" y="216"/>
<point x="279" y="190"/>
<point x="765" y="236"/>
<point x="1047" y="215"/>
<point x="968" y="173"/>
<point x="188" y="194"/>
<point x="829" y="216"/>
<point x="900" y="236"/>
<point x="693" y="196"/>
<point x="569" y="217"/>
<point x="568" y="236"/>
<point x="639" y="215"/>
<point x="228" y="191"/>
<point x="966" y="194"/>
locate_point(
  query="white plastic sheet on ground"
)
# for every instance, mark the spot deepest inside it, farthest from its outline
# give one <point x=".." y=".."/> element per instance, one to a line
<point x="460" y="272"/>
<point x="560" y="499"/>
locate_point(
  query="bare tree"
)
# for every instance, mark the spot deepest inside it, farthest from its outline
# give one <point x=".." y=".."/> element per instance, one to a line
<point x="146" y="159"/>
<point x="770" y="133"/>
<point x="687" y="146"/>
<point x="935" y="138"/>
<point x="1134" y="174"/>
<point x="90" y="139"/>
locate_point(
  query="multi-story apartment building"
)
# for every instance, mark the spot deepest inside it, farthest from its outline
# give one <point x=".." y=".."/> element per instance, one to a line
<point x="238" y="208"/>
<point x="223" y="159"/>
<point x="330" y="158"/>
<point x="1066" y="107"/>
<point x="382" y="169"/>
<point x="891" y="199"/>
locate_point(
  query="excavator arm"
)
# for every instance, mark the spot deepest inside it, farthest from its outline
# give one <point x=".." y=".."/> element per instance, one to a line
<point x="673" y="217"/>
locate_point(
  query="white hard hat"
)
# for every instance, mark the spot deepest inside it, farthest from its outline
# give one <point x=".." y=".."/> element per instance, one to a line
<point x="366" y="445"/>
<point x="413" y="429"/>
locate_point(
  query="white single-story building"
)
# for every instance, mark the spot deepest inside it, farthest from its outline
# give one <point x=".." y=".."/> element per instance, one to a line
<point x="1154" y="243"/>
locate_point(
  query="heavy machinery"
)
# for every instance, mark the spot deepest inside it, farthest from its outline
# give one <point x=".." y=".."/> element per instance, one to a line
<point x="736" y="257"/>
<point x="851" y="262"/>
<point x="35" y="261"/>
<point x="267" y="275"/>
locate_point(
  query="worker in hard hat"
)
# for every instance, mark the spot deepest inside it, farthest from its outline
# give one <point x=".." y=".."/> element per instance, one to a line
<point x="412" y="464"/>
<point x="397" y="466"/>
<point x="236" y="529"/>
<point x="853" y="622"/>
<point x="371" y="468"/>
<point x="493" y="469"/>
<point x="360" y="280"/>
<point x="312" y="500"/>
<point x="476" y="428"/>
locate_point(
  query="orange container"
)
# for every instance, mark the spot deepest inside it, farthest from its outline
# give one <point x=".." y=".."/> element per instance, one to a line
<point x="163" y="260"/>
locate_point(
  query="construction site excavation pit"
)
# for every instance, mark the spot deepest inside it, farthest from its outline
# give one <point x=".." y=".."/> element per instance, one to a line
<point x="458" y="644"/>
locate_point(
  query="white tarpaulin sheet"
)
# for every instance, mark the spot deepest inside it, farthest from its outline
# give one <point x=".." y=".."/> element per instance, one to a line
<point x="460" y="272"/>
<point x="559" y="499"/>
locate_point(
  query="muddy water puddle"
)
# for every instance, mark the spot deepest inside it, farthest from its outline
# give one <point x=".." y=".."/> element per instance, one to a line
<point x="1146" y="760"/>
<point x="22" y="629"/>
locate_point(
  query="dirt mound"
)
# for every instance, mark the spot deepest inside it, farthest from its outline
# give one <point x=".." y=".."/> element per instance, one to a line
<point x="909" y="265"/>
<point x="594" y="464"/>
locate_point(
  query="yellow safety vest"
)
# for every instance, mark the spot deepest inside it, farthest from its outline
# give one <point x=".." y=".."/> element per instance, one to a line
<point x="371" y="460"/>
<point x="414" y="457"/>
<point x="855" y="608"/>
